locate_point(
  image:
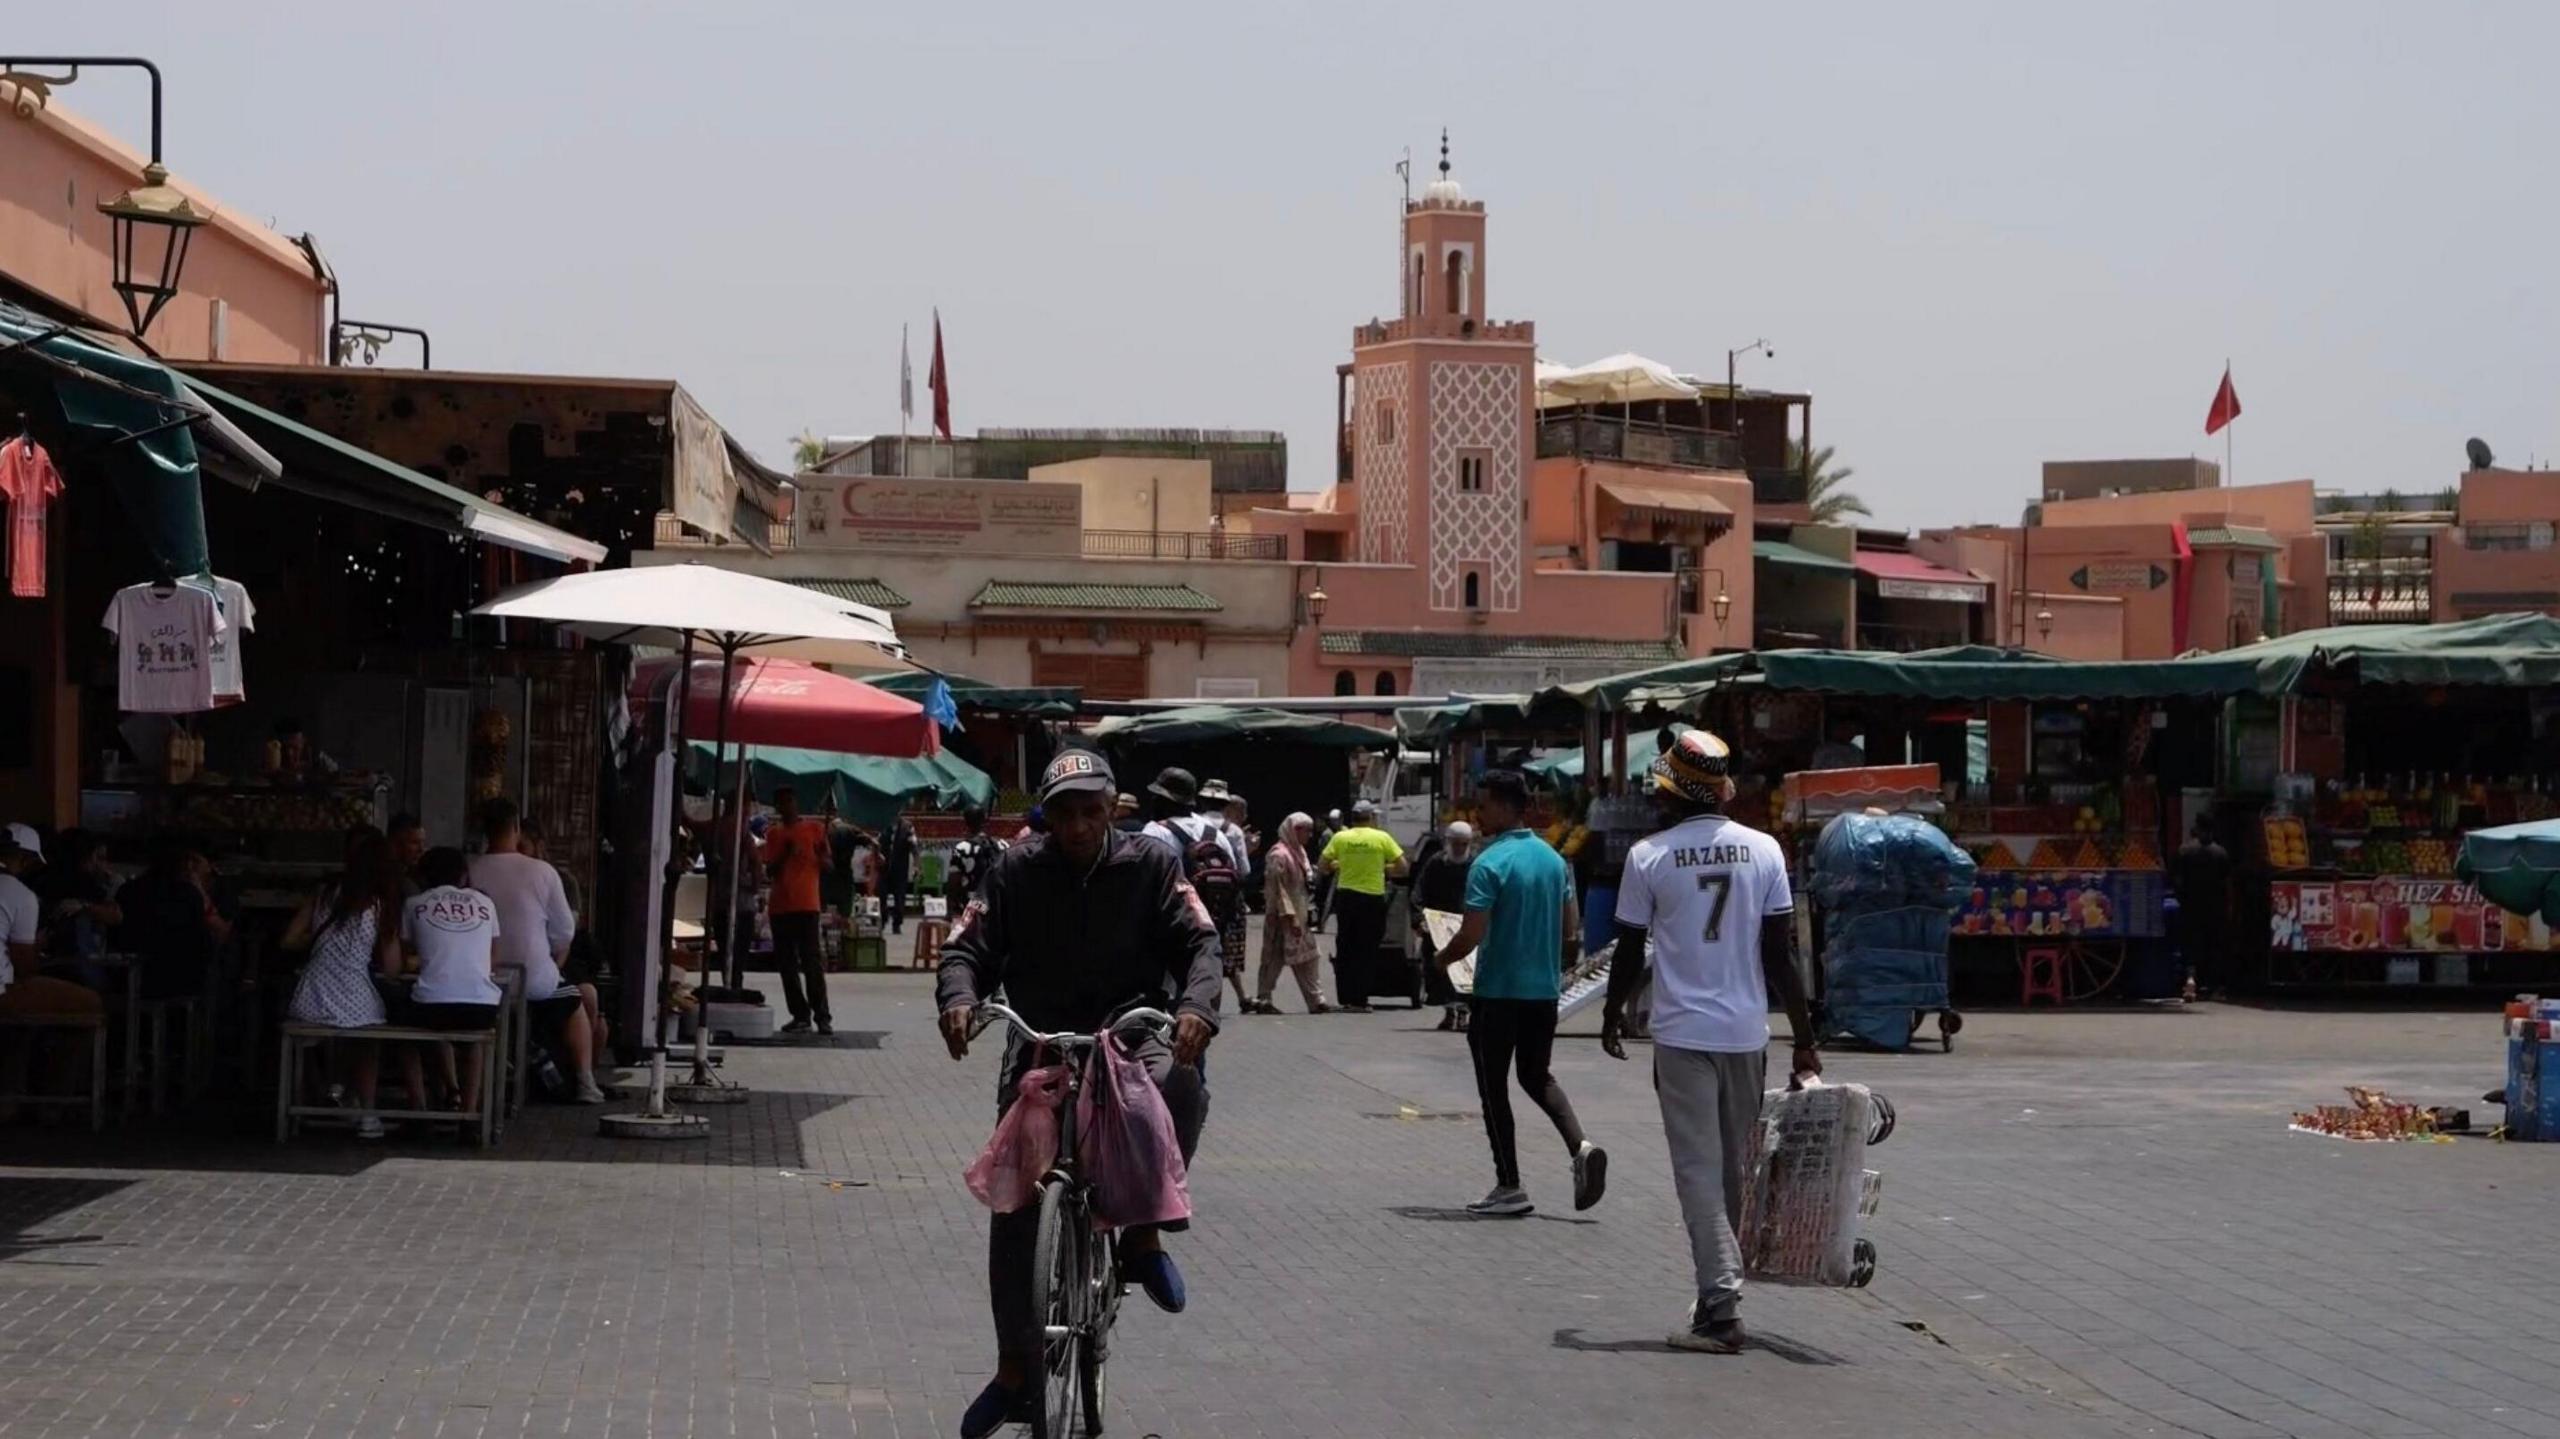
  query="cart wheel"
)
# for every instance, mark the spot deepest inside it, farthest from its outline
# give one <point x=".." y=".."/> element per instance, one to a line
<point x="1882" y="1128"/>
<point x="1862" y="1264"/>
<point x="1950" y="1024"/>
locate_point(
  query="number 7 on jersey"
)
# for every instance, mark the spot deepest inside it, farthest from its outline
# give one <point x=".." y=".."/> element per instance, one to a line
<point x="1721" y="886"/>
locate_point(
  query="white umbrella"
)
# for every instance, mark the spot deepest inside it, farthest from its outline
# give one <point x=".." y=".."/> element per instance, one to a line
<point x="1618" y="380"/>
<point x="669" y="605"/>
<point x="676" y="607"/>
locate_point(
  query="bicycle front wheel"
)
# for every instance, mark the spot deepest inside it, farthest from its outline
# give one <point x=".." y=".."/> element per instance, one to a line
<point x="1058" y="1297"/>
<point x="1093" y="1358"/>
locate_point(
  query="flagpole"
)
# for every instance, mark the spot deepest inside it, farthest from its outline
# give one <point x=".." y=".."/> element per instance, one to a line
<point x="906" y="399"/>
<point x="2228" y="477"/>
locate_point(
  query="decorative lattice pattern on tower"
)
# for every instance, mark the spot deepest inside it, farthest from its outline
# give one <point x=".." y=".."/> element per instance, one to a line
<point x="1378" y="464"/>
<point x="1475" y="407"/>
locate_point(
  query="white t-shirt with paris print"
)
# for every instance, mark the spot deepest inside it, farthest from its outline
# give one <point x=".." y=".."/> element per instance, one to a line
<point x="164" y="648"/>
<point x="455" y="932"/>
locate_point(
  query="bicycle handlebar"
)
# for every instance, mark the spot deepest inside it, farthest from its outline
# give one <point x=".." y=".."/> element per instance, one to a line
<point x="991" y="1011"/>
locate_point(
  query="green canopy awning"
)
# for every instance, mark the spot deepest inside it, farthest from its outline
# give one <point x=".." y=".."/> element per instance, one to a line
<point x="1200" y="724"/>
<point x="2507" y="650"/>
<point x="137" y="414"/>
<point x="1429" y="724"/>
<point x="2517" y="866"/>
<point x="1565" y="766"/>
<point x="1979" y="673"/>
<point x="867" y="789"/>
<point x="319" y="464"/>
<point x="1038" y="701"/>
<point x="1797" y="557"/>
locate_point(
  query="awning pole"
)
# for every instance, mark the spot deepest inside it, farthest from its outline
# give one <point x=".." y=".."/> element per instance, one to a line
<point x="673" y="880"/>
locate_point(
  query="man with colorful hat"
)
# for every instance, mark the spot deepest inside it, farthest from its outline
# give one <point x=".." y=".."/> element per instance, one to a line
<point x="1076" y="930"/>
<point x="1711" y="895"/>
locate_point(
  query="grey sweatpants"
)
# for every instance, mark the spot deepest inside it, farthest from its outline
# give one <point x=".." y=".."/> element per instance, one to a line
<point x="1710" y="1104"/>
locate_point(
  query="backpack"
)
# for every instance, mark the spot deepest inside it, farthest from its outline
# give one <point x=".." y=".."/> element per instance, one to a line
<point x="1211" y="869"/>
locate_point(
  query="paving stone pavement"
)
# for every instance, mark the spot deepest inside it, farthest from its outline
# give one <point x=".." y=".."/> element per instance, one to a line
<point x="2094" y="1224"/>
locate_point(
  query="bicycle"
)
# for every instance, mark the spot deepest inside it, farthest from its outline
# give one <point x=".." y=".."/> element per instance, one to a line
<point x="1075" y="1265"/>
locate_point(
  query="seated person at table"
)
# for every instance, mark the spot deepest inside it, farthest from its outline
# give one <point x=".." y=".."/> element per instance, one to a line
<point x="535" y="927"/>
<point x="354" y="937"/>
<point x="27" y="995"/>
<point x="80" y="908"/>
<point x="169" y="923"/>
<point x="408" y="847"/>
<point x="451" y="933"/>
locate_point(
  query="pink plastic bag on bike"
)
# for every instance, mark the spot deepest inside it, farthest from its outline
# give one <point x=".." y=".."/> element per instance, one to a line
<point x="1130" y="1154"/>
<point x="1006" y="1174"/>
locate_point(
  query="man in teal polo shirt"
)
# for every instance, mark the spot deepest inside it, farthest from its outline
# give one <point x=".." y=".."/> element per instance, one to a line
<point x="1520" y="927"/>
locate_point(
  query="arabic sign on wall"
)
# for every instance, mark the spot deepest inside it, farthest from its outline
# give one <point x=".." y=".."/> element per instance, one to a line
<point x="1952" y="592"/>
<point x="2119" y="577"/>
<point x="1014" y="517"/>
<point x="2396" y="914"/>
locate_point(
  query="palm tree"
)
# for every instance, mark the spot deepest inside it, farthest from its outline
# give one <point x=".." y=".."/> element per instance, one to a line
<point x="1826" y="490"/>
<point x="808" y="451"/>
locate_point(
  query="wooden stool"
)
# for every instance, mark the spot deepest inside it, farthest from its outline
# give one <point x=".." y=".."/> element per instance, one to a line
<point x="929" y="936"/>
<point x="2040" y="975"/>
<point x="92" y="1025"/>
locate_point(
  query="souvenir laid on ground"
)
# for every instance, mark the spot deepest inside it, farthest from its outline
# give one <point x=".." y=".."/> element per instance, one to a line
<point x="2370" y="1115"/>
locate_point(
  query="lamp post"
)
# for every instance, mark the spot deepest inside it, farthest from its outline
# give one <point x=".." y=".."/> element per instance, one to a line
<point x="2044" y="625"/>
<point x="1732" y="389"/>
<point x="149" y="225"/>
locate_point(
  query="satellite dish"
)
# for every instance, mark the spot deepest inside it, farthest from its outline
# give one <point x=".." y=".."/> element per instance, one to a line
<point x="2478" y="449"/>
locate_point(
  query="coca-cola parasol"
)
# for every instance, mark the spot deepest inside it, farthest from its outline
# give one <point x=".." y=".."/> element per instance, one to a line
<point x="788" y="702"/>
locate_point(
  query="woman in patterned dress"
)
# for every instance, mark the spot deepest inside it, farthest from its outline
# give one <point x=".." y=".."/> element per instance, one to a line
<point x="1286" y="913"/>
<point x="355" y="934"/>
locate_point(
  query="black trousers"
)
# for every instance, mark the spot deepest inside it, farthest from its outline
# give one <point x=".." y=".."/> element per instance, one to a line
<point x="795" y="953"/>
<point x="1363" y="923"/>
<point x="893" y="898"/>
<point x="1013" y="1239"/>
<point x="1503" y="1034"/>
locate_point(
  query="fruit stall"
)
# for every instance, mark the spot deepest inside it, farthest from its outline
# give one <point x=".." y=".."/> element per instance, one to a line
<point x="2362" y="886"/>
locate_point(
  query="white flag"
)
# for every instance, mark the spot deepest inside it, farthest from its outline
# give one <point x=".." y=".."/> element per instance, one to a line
<point x="906" y="379"/>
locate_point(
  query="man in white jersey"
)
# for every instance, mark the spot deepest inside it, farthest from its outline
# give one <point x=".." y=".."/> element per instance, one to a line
<point x="1712" y="895"/>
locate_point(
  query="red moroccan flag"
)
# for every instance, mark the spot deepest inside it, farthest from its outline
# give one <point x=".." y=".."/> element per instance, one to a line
<point x="2226" y="402"/>
<point x="938" y="380"/>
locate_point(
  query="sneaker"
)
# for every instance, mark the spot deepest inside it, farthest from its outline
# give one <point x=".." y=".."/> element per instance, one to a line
<point x="797" y="1026"/>
<point x="1448" y="1021"/>
<point x="589" y="1092"/>
<point x="1716" y="1336"/>
<point x="1156" y="1273"/>
<point x="995" y="1407"/>
<point x="1505" y="1202"/>
<point x="1590" y="1175"/>
<point x="1355" y="1009"/>
<point x="368" y="1126"/>
<point x="826" y="1026"/>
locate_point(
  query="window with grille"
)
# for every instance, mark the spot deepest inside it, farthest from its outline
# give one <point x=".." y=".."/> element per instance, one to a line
<point x="1472" y="465"/>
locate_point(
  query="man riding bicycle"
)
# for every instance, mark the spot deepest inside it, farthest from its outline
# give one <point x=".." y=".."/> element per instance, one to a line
<point x="1074" y="931"/>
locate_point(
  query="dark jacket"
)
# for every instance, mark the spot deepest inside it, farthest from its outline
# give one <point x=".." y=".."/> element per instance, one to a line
<point x="1441" y="883"/>
<point x="1069" y="949"/>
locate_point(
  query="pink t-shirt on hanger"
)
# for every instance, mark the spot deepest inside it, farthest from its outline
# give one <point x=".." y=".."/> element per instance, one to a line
<point x="29" y="482"/>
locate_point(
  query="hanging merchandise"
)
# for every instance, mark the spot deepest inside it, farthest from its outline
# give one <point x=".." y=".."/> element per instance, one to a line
<point x="164" y="643"/>
<point x="239" y="616"/>
<point x="29" y="482"/>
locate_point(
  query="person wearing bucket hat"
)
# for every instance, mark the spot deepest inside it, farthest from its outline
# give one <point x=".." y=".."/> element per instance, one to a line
<point x="1711" y="895"/>
<point x="1075" y="930"/>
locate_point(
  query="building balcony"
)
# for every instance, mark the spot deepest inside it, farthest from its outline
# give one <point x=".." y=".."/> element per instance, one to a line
<point x="1098" y="544"/>
<point x="1381" y="332"/>
<point x="1905" y="638"/>
<point x="2381" y="593"/>
<point x="1183" y="545"/>
<point x="1591" y="435"/>
<point x="1779" y="633"/>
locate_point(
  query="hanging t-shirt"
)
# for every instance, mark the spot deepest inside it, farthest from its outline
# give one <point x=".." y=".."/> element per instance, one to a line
<point x="239" y="615"/>
<point x="29" y="483"/>
<point x="455" y="932"/>
<point x="164" y="639"/>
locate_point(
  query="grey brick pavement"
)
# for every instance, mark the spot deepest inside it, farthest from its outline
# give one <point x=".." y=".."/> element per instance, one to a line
<point x="2094" y="1224"/>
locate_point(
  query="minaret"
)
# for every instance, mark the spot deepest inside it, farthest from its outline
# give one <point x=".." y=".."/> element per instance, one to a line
<point x="1441" y="428"/>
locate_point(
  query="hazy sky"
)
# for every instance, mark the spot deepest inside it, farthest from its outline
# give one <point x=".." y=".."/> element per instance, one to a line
<point x="1981" y="236"/>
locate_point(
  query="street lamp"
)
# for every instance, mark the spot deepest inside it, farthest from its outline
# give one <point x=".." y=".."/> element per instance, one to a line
<point x="1732" y="390"/>
<point x="150" y="225"/>
<point x="1315" y="604"/>
<point x="2044" y="624"/>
